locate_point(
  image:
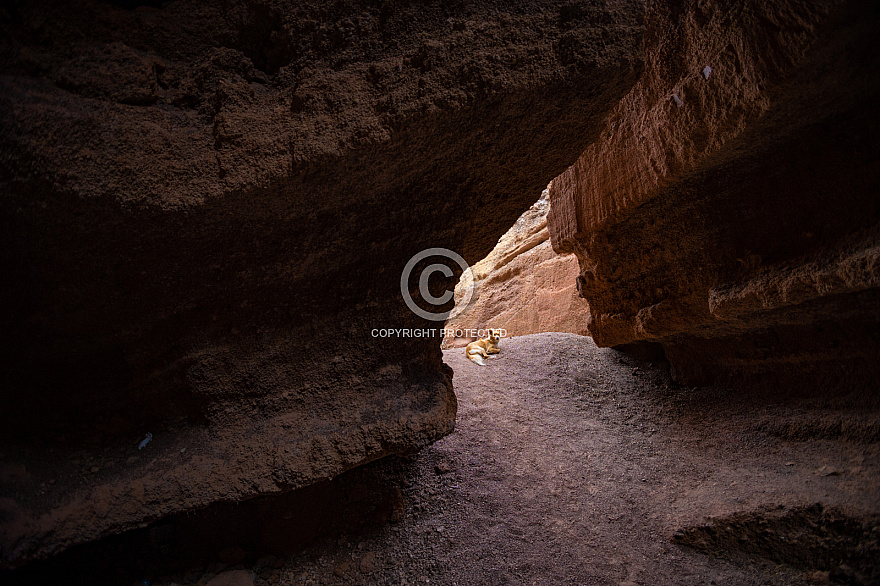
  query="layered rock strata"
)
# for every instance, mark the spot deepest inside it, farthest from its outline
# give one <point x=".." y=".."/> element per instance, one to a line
<point x="730" y="209"/>
<point x="522" y="286"/>
<point x="206" y="207"/>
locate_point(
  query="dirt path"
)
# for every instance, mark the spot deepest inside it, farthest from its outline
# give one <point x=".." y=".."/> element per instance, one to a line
<point x="572" y="464"/>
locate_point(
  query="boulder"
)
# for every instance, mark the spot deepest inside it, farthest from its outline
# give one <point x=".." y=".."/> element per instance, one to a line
<point x="232" y="578"/>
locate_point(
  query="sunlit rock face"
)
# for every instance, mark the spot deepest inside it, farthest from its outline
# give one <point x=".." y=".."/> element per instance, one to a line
<point x="206" y="208"/>
<point x="522" y="286"/>
<point x="729" y="209"/>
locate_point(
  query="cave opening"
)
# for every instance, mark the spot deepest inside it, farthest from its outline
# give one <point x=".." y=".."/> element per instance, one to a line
<point x="521" y="287"/>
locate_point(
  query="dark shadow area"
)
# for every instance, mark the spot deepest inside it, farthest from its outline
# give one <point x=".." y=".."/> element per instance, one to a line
<point x="132" y="4"/>
<point x="805" y="537"/>
<point x="643" y="351"/>
<point x="229" y="535"/>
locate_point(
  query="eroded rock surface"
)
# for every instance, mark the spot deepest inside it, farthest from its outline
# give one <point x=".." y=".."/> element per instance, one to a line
<point x="205" y="211"/>
<point x="522" y="286"/>
<point x="729" y="210"/>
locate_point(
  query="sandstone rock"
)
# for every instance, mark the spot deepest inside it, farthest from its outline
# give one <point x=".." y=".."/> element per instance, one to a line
<point x="343" y="569"/>
<point x="206" y="210"/>
<point x="740" y="230"/>
<point x="442" y="468"/>
<point x="522" y="286"/>
<point x="369" y="563"/>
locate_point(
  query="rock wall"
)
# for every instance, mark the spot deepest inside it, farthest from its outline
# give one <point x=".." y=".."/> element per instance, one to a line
<point x="206" y="207"/>
<point x="729" y="209"/>
<point x="522" y="286"/>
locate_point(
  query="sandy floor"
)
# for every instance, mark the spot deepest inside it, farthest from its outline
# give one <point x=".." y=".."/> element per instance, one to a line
<point x="572" y="464"/>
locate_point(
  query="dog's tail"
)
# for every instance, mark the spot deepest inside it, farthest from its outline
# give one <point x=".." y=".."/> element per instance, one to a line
<point x="477" y="357"/>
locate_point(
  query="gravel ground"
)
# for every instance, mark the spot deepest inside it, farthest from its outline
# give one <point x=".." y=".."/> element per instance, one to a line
<point x="572" y="464"/>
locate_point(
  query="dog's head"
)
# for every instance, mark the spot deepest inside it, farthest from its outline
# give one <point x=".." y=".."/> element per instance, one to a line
<point x="494" y="336"/>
